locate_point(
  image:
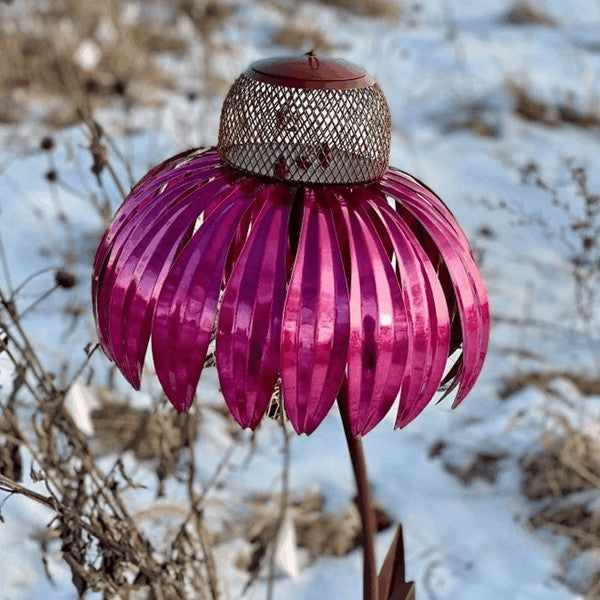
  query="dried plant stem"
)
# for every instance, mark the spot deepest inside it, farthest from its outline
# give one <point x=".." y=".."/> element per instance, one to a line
<point x="283" y="506"/>
<point x="364" y="503"/>
<point x="39" y="300"/>
<point x="208" y="558"/>
<point x="8" y="485"/>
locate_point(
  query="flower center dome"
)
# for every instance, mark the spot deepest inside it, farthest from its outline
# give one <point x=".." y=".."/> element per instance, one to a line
<point x="306" y="119"/>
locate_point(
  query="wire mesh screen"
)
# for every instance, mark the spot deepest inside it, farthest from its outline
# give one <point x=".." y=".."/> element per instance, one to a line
<point x="305" y="135"/>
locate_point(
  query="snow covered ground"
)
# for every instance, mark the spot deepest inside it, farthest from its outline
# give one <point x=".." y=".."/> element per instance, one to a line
<point x="446" y="68"/>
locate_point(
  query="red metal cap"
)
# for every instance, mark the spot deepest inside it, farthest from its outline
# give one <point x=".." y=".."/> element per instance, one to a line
<point x="306" y="120"/>
<point x="310" y="72"/>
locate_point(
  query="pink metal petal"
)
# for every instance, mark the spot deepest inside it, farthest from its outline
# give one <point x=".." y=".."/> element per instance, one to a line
<point x="181" y="168"/>
<point x="413" y="187"/>
<point x="432" y="251"/>
<point x="129" y="232"/>
<point x="240" y="238"/>
<point x="316" y="319"/>
<point x="147" y="190"/>
<point x="378" y="329"/>
<point x="468" y="286"/>
<point x="128" y="298"/>
<point x="249" y="324"/>
<point x="185" y="311"/>
<point x="427" y="315"/>
<point x="136" y="329"/>
<point x="151" y="191"/>
<point x="170" y="170"/>
<point x="128" y="237"/>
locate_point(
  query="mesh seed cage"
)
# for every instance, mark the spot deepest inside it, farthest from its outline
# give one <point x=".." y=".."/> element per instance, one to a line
<point x="306" y="120"/>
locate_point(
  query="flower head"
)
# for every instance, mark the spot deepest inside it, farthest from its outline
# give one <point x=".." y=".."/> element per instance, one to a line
<point x="366" y="286"/>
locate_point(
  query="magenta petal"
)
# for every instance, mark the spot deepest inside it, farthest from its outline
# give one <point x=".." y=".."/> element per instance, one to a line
<point x="378" y="328"/>
<point x="192" y="156"/>
<point x="468" y="286"/>
<point x="249" y="324"/>
<point x="427" y="316"/>
<point x="185" y="310"/>
<point x="408" y="184"/>
<point x="240" y="238"/>
<point x="136" y="330"/>
<point x="143" y="264"/>
<point x="182" y="168"/>
<point x="134" y="229"/>
<point x="128" y="235"/>
<point x="145" y="191"/>
<point x="316" y="320"/>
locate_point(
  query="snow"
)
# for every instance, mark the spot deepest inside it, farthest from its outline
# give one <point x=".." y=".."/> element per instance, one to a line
<point x="467" y="541"/>
<point x="88" y="54"/>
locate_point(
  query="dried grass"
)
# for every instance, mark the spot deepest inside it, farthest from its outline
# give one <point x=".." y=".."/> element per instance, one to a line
<point x="34" y="63"/>
<point x="370" y="8"/>
<point x="529" y="107"/>
<point x="476" y="117"/>
<point x="39" y="50"/>
<point x="106" y="549"/>
<point x="318" y="531"/>
<point x="149" y="434"/>
<point x="568" y="462"/>
<point x="526" y="13"/>
<point x="301" y="36"/>
<point x="586" y="383"/>
<point x="482" y="465"/>
<point x="562" y="474"/>
<point x="563" y="477"/>
<point x="532" y="108"/>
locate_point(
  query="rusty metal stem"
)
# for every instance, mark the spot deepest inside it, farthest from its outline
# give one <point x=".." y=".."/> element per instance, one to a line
<point x="365" y="507"/>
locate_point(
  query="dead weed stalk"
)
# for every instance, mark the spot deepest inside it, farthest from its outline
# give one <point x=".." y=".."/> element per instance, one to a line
<point x="102" y="543"/>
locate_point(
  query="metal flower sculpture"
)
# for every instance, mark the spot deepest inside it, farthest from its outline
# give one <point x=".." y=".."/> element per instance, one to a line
<point x="311" y="259"/>
<point x="295" y="247"/>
